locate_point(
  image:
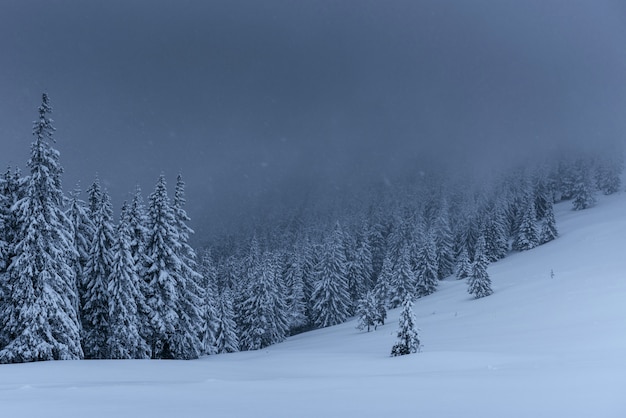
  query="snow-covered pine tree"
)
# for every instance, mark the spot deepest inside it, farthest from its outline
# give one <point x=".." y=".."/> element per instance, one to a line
<point x="548" y="227"/>
<point x="583" y="190"/>
<point x="609" y="171"/>
<point x="226" y="333"/>
<point x="463" y="266"/>
<point x="263" y="320"/>
<point x="137" y="222"/>
<point x="11" y="191"/>
<point x="359" y="267"/>
<point x="331" y="298"/>
<point x="376" y="233"/>
<point x="95" y="308"/>
<point x="444" y="243"/>
<point x="494" y="231"/>
<point x="527" y="234"/>
<point x="479" y="283"/>
<point x="191" y="289"/>
<point x="426" y="267"/>
<point x="408" y="333"/>
<point x="4" y="244"/>
<point x="94" y="198"/>
<point x="4" y="258"/>
<point x="403" y="279"/>
<point x="296" y="300"/>
<point x="40" y="314"/>
<point x="311" y="254"/>
<point x="83" y="231"/>
<point x="210" y="306"/>
<point x="124" y="340"/>
<point x="370" y="312"/>
<point x="173" y="335"/>
<point x="382" y="289"/>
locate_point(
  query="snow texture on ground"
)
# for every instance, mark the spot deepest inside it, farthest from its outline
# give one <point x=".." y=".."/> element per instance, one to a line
<point x="550" y="342"/>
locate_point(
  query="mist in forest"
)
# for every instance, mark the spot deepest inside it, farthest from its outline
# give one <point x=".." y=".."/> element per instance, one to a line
<point x="273" y="104"/>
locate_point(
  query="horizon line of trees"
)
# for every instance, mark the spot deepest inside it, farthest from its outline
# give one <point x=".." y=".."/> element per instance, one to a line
<point x="75" y="284"/>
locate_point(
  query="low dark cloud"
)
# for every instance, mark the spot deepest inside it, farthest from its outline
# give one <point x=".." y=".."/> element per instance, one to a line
<point x="263" y="100"/>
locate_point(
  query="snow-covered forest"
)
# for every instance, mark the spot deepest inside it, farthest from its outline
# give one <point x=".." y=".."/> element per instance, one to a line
<point x="77" y="283"/>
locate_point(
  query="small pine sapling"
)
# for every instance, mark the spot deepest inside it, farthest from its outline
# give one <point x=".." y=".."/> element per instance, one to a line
<point x="408" y="333"/>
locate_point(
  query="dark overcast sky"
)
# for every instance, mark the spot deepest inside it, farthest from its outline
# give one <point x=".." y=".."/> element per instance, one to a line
<point x="250" y="98"/>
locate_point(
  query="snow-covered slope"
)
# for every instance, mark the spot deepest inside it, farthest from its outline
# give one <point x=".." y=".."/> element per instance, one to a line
<point x="550" y="342"/>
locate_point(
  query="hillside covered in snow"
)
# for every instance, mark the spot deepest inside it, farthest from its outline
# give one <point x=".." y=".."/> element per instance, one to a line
<point x="549" y="342"/>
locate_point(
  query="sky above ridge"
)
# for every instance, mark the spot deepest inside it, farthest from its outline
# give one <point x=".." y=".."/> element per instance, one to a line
<point x="259" y="101"/>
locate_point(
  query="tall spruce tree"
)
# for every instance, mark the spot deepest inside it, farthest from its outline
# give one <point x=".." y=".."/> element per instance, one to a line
<point x="496" y="239"/>
<point x="404" y="279"/>
<point x="583" y="188"/>
<point x="527" y="234"/>
<point x="137" y="222"/>
<point x="192" y="289"/>
<point x="549" y="231"/>
<point x="426" y="267"/>
<point x="95" y="309"/>
<point x="444" y="243"/>
<point x="479" y="283"/>
<point x="296" y="299"/>
<point x="263" y="312"/>
<point x="173" y="335"/>
<point x="210" y="306"/>
<point x="226" y="333"/>
<point x="331" y="297"/>
<point x="83" y="231"/>
<point x="382" y="289"/>
<point x="124" y="340"/>
<point x="463" y="266"/>
<point x="359" y="269"/>
<point x="41" y="322"/>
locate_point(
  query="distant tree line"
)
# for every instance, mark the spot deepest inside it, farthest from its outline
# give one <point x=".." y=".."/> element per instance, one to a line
<point x="76" y="284"/>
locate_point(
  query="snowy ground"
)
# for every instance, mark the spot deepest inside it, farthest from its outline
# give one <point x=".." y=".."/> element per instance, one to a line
<point x="540" y="346"/>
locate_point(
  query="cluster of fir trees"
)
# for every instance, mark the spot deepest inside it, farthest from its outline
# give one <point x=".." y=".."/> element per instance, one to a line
<point x="310" y="273"/>
<point x="73" y="284"/>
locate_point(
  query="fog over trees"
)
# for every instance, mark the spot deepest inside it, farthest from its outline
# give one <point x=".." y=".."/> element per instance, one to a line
<point x="303" y="162"/>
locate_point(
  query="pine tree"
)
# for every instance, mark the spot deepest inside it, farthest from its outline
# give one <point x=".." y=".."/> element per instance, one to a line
<point x="370" y="312"/>
<point x="173" y="335"/>
<point x="296" y="299"/>
<point x="527" y="236"/>
<point x="496" y="240"/>
<point x="226" y="334"/>
<point x="408" y="333"/>
<point x="210" y="306"/>
<point x="382" y="289"/>
<point x="137" y="222"/>
<point x="426" y="267"/>
<point x="583" y="193"/>
<point x="191" y="290"/>
<point x="41" y="322"/>
<point x="548" y="227"/>
<point x="404" y="279"/>
<point x="609" y="171"/>
<point x="479" y="283"/>
<point x="263" y="313"/>
<point x="124" y="339"/>
<point x="359" y="267"/>
<point x="83" y="231"/>
<point x="95" y="308"/>
<point x="444" y="244"/>
<point x="463" y="267"/>
<point x="331" y="298"/>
